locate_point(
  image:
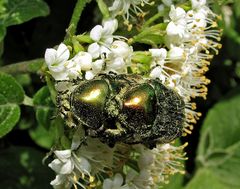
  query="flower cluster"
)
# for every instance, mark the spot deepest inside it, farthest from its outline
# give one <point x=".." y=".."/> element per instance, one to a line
<point x="106" y="53"/>
<point x="191" y="39"/>
<point x="178" y="58"/>
<point x="128" y="8"/>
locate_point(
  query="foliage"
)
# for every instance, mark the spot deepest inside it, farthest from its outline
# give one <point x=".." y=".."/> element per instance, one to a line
<point x="19" y="11"/>
<point x="9" y="108"/>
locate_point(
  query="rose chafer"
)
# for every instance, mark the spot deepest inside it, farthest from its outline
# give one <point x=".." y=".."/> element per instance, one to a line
<point x="123" y="108"/>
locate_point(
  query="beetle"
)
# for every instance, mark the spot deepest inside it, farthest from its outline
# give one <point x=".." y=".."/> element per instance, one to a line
<point x="123" y="108"/>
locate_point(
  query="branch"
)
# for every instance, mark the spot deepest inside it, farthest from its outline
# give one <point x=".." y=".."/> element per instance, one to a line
<point x="30" y="66"/>
<point x="77" y="14"/>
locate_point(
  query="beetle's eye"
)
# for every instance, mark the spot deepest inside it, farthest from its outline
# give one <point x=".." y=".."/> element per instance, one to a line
<point x="88" y="101"/>
<point x="138" y="105"/>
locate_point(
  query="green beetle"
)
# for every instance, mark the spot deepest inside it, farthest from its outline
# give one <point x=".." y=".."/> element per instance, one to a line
<point x="124" y="108"/>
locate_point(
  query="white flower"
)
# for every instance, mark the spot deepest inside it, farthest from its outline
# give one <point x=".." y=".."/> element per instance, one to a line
<point x="116" y="183"/>
<point x="160" y="70"/>
<point x="159" y="53"/>
<point x="196" y="20"/>
<point x="67" y="165"/>
<point x="159" y="56"/>
<point x="146" y="157"/>
<point x="197" y="4"/>
<point x="177" y="14"/>
<point x="116" y="65"/>
<point x="176" y="53"/>
<point x="124" y="7"/>
<point x="177" y="26"/>
<point x="142" y="180"/>
<point x="121" y="49"/>
<point x="104" y="33"/>
<point x="174" y="81"/>
<point x="96" y="68"/>
<point x="63" y="164"/>
<point x="167" y="160"/>
<point x="63" y="69"/>
<point x="176" y="30"/>
<point x="119" y="57"/>
<point x="61" y="181"/>
<point x="72" y="68"/>
<point x="95" y="49"/>
<point x="157" y="72"/>
<point x="103" y="37"/>
<point x="84" y="59"/>
<point x="55" y="60"/>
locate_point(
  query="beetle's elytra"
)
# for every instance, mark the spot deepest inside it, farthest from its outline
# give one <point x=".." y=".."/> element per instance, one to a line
<point x="124" y="108"/>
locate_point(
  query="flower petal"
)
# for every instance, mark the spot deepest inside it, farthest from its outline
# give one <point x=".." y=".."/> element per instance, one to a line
<point x="118" y="180"/>
<point x="85" y="60"/>
<point x="107" y="184"/>
<point x="176" y="53"/>
<point x="59" y="76"/>
<point x="56" y="165"/>
<point x="94" y="50"/>
<point x="62" y="53"/>
<point x="116" y="64"/>
<point x="96" y="33"/>
<point x="67" y="168"/>
<point x="56" y="68"/>
<point x="157" y="73"/>
<point x="60" y="179"/>
<point x="120" y="48"/>
<point x="89" y="75"/>
<point x="63" y="155"/>
<point x="82" y="164"/>
<point x="50" y="56"/>
<point x="160" y="53"/>
<point x="97" y="65"/>
<point x="110" y="26"/>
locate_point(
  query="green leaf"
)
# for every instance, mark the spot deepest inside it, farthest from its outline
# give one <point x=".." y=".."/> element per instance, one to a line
<point x="46" y="138"/>
<point x="11" y="89"/>
<point x="175" y="182"/>
<point x="44" y="106"/>
<point x="219" y="148"/>
<point x="9" y="116"/>
<point x="23" y="79"/>
<point x="21" y="167"/>
<point x="2" y="33"/>
<point x="42" y="137"/>
<point x="236" y="8"/>
<point x="11" y="94"/>
<point x="19" y="11"/>
<point x="153" y="35"/>
<point x="206" y="178"/>
<point x="222" y="124"/>
<point x="48" y="129"/>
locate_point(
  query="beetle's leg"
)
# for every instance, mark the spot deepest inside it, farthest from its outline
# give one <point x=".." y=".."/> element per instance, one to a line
<point x="116" y="133"/>
<point x="95" y="132"/>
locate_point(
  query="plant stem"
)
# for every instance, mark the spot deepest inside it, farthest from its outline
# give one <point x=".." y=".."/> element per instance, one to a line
<point x="103" y="8"/>
<point x="152" y="19"/>
<point x="27" y="101"/>
<point x="30" y="66"/>
<point x="77" y="14"/>
<point x="51" y="88"/>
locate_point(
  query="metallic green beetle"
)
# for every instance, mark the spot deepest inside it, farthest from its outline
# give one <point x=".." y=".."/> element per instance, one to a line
<point x="124" y="108"/>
